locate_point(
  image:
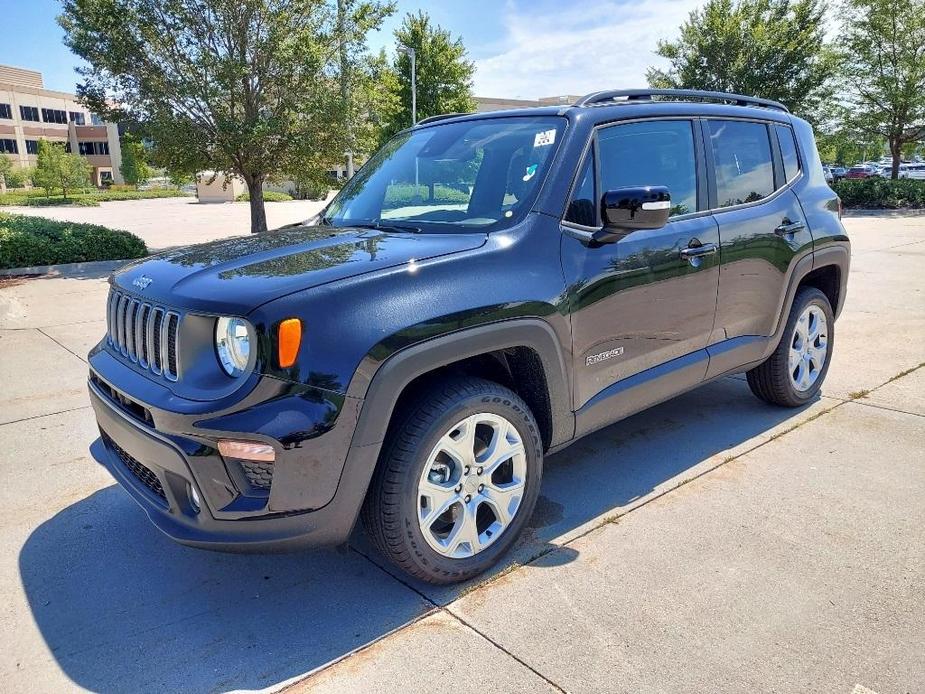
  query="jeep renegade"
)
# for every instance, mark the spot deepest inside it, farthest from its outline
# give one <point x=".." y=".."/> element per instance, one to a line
<point x="486" y="290"/>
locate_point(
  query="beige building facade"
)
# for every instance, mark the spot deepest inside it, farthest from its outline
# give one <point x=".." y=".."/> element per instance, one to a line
<point x="29" y="113"/>
<point x="488" y="103"/>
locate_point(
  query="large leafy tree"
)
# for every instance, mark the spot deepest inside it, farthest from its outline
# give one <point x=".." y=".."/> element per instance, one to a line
<point x="135" y="169"/>
<point x="444" y="73"/>
<point x="248" y="87"/>
<point x="775" y="49"/>
<point x="57" y="169"/>
<point x="883" y="48"/>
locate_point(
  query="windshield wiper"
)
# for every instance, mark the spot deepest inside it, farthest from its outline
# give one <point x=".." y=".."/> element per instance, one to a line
<point x="377" y="224"/>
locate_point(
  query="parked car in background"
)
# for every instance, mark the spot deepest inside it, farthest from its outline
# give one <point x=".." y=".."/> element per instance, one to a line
<point x="838" y="172"/>
<point x="829" y="176"/>
<point x="915" y="172"/>
<point x="862" y="171"/>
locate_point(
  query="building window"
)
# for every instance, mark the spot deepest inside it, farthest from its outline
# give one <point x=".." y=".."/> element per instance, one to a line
<point x="29" y="113"/>
<point x="54" y="115"/>
<point x="8" y="146"/>
<point x="77" y="117"/>
<point x="90" y="148"/>
<point x="6" y="111"/>
<point x="32" y="146"/>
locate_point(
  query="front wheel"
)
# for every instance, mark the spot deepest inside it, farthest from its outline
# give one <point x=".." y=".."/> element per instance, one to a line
<point x="793" y="374"/>
<point x="457" y="482"/>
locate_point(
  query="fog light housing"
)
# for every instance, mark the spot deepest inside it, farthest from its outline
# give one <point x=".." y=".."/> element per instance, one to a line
<point x="194" y="499"/>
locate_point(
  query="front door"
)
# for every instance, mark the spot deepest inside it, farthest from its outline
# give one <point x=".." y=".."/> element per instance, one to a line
<point x="642" y="308"/>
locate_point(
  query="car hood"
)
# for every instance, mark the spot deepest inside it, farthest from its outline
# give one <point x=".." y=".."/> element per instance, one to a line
<point x="234" y="276"/>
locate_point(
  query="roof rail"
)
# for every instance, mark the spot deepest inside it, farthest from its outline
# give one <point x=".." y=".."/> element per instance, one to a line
<point x="635" y="95"/>
<point x="441" y="116"/>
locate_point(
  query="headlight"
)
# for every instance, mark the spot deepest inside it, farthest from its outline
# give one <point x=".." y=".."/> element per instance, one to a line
<point x="233" y="345"/>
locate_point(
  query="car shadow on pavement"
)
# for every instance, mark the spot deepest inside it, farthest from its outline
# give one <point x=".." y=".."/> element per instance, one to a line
<point x="122" y="607"/>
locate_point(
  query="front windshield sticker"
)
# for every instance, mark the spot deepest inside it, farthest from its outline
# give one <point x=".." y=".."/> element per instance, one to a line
<point x="531" y="170"/>
<point x="547" y="137"/>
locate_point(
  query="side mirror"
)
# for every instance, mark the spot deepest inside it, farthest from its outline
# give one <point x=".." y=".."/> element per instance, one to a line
<point x="629" y="209"/>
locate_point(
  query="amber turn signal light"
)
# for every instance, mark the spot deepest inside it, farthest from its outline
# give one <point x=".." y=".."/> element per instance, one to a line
<point x="290" y="336"/>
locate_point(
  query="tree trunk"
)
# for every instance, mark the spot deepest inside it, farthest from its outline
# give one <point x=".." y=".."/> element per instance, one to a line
<point x="896" y="150"/>
<point x="258" y="212"/>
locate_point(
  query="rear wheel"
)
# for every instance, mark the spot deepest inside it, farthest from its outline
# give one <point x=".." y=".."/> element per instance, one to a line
<point x="457" y="482"/>
<point x="793" y="374"/>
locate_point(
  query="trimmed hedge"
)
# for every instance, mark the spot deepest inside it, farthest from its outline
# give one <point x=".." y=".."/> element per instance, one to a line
<point x="881" y="193"/>
<point x="268" y="196"/>
<point x="403" y="195"/>
<point x="26" y="241"/>
<point x="37" y="197"/>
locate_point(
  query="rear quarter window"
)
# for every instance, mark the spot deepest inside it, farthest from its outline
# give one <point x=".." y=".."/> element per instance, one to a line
<point x="742" y="159"/>
<point x="788" y="151"/>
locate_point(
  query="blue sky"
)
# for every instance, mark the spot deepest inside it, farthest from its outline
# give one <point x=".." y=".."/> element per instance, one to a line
<point x="521" y="48"/>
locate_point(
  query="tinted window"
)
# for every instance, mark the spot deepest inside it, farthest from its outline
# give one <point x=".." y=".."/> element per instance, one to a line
<point x="582" y="208"/>
<point x="651" y="153"/>
<point x="742" y="155"/>
<point x="788" y="151"/>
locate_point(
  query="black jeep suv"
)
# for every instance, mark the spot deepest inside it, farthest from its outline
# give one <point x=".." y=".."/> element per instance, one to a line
<point x="486" y="290"/>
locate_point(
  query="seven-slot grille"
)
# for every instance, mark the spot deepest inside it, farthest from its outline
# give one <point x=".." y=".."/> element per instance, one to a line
<point x="144" y="333"/>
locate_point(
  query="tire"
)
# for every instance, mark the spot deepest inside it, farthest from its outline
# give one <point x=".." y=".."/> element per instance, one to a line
<point x="784" y="380"/>
<point x="400" y="506"/>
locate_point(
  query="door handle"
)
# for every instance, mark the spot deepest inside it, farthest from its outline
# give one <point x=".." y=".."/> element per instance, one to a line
<point x="698" y="251"/>
<point x="788" y="227"/>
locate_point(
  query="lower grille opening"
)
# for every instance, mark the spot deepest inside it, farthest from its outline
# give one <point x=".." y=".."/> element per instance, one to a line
<point x="259" y="474"/>
<point x="142" y="473"/>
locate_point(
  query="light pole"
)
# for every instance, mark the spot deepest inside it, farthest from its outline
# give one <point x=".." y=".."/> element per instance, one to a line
<point x="409" y="51"/>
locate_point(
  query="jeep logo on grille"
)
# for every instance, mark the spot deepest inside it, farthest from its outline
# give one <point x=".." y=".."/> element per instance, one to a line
<point x="142" y="282"/>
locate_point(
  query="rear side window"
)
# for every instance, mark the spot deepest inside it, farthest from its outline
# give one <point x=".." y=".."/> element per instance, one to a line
<point x="742" y="157"/>
<point x="582" y="209"/>
<point x="788" y="151"/>
<point x="651" y="153"/>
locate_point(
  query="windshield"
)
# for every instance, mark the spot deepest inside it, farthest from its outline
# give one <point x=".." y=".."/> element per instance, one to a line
<point x="477" y="174"/>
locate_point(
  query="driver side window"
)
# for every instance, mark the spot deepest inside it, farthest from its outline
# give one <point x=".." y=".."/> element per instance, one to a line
<point x="651" y="153"/>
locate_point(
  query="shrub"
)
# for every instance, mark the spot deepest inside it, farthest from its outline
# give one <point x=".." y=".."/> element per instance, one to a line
<point x="872" y="193"/>
<point x="268" y="196"/>
<point x="403" y="194"/>
<point x="86" y="198"/>
<point x="28" y="241"/>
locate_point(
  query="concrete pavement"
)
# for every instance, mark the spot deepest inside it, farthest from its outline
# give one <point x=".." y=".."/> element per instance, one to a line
<point x="710" y="543"/>
<point x="165" y="222"/>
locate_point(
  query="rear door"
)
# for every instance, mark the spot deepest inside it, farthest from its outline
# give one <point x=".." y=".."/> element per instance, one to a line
<point x="762" y="227"/>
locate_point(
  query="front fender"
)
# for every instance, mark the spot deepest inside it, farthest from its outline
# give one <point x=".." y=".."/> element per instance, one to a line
<point x="381" y="387"/>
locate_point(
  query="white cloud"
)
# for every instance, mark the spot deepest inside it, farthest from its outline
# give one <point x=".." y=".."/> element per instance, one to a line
<point x="590" y="45"/>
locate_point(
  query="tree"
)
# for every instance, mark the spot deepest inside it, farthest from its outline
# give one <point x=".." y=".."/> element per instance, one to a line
<point x="883" y="48"/>
<point x="135" y="169"/>
<point x="444" y="75"/>
<point x="775" y="49"/>
<point x="247" y="87"/>
<point x="6" y="168"/>
<point x="57" y="169"/>
<point x="352" y="60"/>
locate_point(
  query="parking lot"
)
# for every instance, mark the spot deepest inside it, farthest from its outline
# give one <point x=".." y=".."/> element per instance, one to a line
<point x="712" y="543"/>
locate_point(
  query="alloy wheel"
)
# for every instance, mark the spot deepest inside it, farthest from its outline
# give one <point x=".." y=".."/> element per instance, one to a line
<point x="472" y="485"/>
<point x="808" y="348"/>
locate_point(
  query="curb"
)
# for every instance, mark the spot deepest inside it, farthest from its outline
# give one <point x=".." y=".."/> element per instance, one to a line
<point x="882" y="212"/>
<point x="68" y="269"/>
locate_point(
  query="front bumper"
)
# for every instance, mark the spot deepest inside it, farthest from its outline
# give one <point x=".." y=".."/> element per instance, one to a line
<point x="160" y="456"/>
